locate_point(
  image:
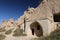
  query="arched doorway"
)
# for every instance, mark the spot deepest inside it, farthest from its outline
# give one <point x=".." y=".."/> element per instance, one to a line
<point x="36" y="29"/>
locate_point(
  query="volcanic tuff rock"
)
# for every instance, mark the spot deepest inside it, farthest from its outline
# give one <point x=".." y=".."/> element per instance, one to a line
<point x="44" y="10"/>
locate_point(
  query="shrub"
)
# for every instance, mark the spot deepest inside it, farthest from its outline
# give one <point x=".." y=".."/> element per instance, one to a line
<point x="56" y="34"/>
<point x="8" y="32"/>
<point x="18" y="32"/>
<point x="2" y="37"/>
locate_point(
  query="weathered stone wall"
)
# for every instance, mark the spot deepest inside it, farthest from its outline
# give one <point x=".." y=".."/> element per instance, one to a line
<point x="43" y="14"/>
<point x="46" y="26"/>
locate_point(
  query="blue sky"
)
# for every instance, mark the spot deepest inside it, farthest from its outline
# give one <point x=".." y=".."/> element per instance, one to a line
<point x="15" y="8"/>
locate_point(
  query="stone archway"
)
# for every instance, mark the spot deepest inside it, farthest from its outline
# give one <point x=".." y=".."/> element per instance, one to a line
<point x="36" y="29"/>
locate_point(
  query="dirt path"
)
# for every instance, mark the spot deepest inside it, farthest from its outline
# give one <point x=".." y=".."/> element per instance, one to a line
<point x="9" y="37"/>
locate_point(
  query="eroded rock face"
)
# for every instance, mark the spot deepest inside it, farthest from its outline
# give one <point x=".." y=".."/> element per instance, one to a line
<point x="8" y="24"/>
<point x="45" y="10"/>
<point x="20" y="20"/>
<point x="29" y="13"/>
<point x="55" y="4"/>
<point x="11" y="20"/>
<point x="4" y="23"/>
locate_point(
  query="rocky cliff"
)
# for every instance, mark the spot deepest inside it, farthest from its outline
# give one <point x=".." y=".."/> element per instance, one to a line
<point x="45" y="9"/>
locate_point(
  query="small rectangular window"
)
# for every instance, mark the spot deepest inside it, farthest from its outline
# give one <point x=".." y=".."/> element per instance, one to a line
<point x="56" y="17"/>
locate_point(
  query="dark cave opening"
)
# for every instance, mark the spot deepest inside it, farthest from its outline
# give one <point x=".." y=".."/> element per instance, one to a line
<point x="57" y="17"/>
<point x="36" y="29"/>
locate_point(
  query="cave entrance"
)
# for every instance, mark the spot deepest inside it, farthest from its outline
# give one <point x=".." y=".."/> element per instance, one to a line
<point x="36" y="29"/>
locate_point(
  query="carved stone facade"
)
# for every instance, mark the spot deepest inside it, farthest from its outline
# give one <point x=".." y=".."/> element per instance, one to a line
<point x="37" y="21"/>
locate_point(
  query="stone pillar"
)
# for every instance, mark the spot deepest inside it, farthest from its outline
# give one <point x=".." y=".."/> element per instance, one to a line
<point x="28" y="30"/>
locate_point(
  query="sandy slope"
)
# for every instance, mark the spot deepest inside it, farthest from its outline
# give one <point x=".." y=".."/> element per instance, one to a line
<point x="10" y="37"/>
